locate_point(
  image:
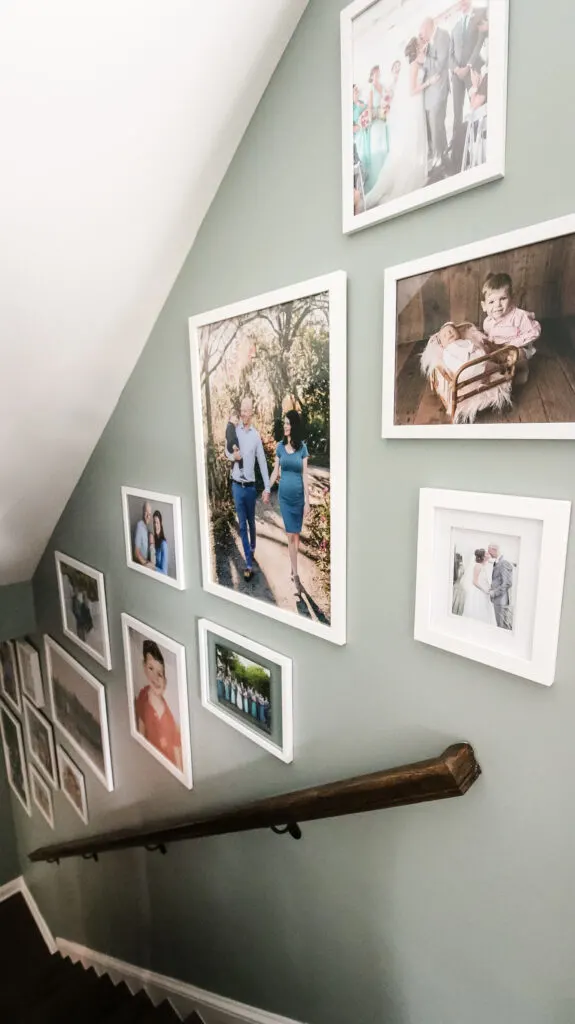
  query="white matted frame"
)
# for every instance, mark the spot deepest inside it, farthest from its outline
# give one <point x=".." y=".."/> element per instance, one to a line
<point x="543" y="232"/>
<point x="30" y="672"/>
<point x="32" y="713"/>
<point x="14" y="700"/>
<point x="492" y="168"/>
<point x="106" y="777"/>
<point x="37" y="786"/>
<point x="104" y="657"/>
<point x="179" y="652"/>
<point x="67" y="765"/>
<point x="335" y="284"/>
<point x="178" y="581"/>
<point x="542" y="527"/>
<point x="284" y="751"/>
<point x="24" y="797"/>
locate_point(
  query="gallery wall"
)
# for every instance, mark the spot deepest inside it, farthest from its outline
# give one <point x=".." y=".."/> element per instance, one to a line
<point x="435" y="914"/>
<point x="16" y="610"/>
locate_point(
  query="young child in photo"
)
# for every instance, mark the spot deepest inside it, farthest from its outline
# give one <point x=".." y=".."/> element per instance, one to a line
<point x="506" y="324"/>
<point x="232" y="443"/>
<point x="458" y="350"/>
<point x="450" y="349"/>
<point x="156" y="722"/>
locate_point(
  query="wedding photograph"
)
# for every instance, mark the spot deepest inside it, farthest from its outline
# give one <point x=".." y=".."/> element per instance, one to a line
<point x="9" y="685"/>
<point x="30" y="672"/>
<point x="79" y="710"/>
<point x="480" y="341"/>
<point x="424" y="87"/>
<point x="269" y="385"/>
<point x="14" y="757"/>
<point x="73" y="784"/>
<point x="83" y="606"/>
<point x="485" y="570"/>
<point x="153" y="535"/>
<point x="40" y="740"/>
<point x="158" y="697"/>
<point x="42" y="796"/>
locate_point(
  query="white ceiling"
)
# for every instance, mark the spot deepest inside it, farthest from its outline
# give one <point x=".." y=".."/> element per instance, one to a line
<point x="118" y="121"/>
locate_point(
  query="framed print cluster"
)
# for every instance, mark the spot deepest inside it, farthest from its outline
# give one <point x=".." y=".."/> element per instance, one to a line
<point x="73" y="784"/>
<point x="9" y="684"/>
<point x="158" y="697"/>
<point x="30" y="672"/>
<point x="14" y="756"/>
<point x="478" y="342"/>
<point x="248" y="686"/>
<point x="424" y="96"/>
<point x="153" y="535"/>
<point x="79" y="710"/>
<point x="42" y="796"/>
<point x="40" y="739"/>
<point x="269" y="391"/>
<point x="490" y="571"/>
<point x="83" y="606"/>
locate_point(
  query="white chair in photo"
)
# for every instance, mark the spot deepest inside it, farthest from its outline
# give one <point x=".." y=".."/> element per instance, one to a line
<point x="475" y="149"/>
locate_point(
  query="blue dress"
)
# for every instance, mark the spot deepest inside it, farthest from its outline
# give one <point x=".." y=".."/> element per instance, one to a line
<point x="291" y="492"/>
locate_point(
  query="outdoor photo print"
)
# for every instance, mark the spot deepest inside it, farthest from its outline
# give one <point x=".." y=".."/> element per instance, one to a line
<point x="83" y="605"/>
<point x="484" y="571"/>
<point x="244" y="688"/>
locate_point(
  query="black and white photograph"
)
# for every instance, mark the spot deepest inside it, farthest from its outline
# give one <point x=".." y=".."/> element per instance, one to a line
<point x="42" y="796"/>
<point x="153" y="535"/>
<point x="73" y="784"/>
<point x="424" y="102"/>
<point x="40" y="741"/>
<point x="14" y="756"/>
<point x="485" y="576"/>
<point x="9" y="683"/>
<point x="30" y="672"/>
<point x="83" y="606"/>
<point x="79" y="710"/>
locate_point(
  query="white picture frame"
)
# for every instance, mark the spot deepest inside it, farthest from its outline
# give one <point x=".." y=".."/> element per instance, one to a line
<point x="494" y="165"/>
<point x="135" y="635"/>
<point x="282" y="745"/>
<point x="70" y="774"/>
<point x="170" y="507"/>
<point x="96" y="609"/>
<point x="9" y="676"/>
<point x="334" y="285"/>
<point x="78" y="700"/>
<point x="502" y="251"/>
<point x="40" y="791"/>
<point x="34" y="720"/>
<point x="13" y="740"/>
<point x="537" y="530"/>
<point x="30" y="673"/>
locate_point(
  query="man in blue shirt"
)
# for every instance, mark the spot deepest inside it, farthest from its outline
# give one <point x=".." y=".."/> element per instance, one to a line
<point x="142" y="536"/>
<point x="244" y="481"/>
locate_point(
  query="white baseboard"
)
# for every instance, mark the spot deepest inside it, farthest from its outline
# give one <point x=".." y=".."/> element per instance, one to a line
<point x="18" y="885"/>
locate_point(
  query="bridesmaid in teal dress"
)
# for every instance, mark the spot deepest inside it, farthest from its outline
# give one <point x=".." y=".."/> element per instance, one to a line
<point x="361" y="133"/>
<point x="379" y="139"/>
<point x="291" y="468"/>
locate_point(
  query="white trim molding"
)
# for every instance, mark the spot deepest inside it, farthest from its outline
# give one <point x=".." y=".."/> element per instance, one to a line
<point x="18" y="885"/>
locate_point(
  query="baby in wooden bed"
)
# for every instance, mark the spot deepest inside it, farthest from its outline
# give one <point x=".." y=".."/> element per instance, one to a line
<point x="449" y="349"/>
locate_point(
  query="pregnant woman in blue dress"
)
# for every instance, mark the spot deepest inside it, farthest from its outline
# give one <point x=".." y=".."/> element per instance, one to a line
<point x="291" y="469"/>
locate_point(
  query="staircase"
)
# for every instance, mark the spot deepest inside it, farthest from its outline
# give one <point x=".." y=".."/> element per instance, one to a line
<point x="39" y="987"/>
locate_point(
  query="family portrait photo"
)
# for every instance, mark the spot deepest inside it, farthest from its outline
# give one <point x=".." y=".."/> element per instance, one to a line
<point x="9" y="686"/>
<point x="14" y="757"/>
<point x="83" y="607"/>
<point x="73" y="784"/>
<point x="153" y="535"/>
<point x="424" y="98"/>
<point x="485" y="576"/>
<point x="79" y="710"/>
<point x="30" y="672"/>
<point x="40" y="739"/>
<point x="42" y="796"/>
<point x="480" y="342"/>
<point x="248" y="686"/>
<point x="158" y="697"/>
<point x="269" y="402"/>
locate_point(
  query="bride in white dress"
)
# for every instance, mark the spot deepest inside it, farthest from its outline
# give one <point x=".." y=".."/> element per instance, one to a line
<point x="405" y="169"/>
<point x="477" y="584"/>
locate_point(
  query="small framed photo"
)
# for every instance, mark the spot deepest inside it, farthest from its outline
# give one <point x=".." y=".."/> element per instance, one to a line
<point x="478" y="342"/>
<point x="42" y="796"/>
<point x="14" y="757"/>
<point x="248" y="686"/>
<point x="9" y="684"/>
<point x="79" y="710"/>
<point x="158" y="697"/>
<point x="30" y="672"/>
<point x="83" y="606"/>
<point x="424" y="99"/>
<point x="40" y="739"/>
<point x="490" y="570"/>
<point x="72" y="783"/>
<point x="153" y="535"/>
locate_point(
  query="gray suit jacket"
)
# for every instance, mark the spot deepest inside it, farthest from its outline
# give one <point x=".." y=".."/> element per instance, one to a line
<point x="501" y="582"/>
<point x="437" y="63"/>
<point x="463" y="43"/>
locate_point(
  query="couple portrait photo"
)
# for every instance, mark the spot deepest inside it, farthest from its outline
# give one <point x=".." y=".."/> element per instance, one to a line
<point x="485" y="577"/>
<point x="419" y="99"/>
<point x="153" y="535"/>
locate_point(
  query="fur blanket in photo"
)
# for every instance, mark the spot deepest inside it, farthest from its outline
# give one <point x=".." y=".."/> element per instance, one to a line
<point x="497" y="397"/>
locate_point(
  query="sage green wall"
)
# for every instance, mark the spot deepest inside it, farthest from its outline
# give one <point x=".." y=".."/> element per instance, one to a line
<point x="16" y="610"/>
<point x="452" y="913"/>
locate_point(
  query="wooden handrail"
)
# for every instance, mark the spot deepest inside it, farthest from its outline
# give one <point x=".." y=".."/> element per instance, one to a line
<point x="450" y="774"/>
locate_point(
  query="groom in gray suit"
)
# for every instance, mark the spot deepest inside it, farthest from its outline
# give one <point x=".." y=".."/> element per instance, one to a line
<point x="501" y="583"/>
<point x="436" y="71"/>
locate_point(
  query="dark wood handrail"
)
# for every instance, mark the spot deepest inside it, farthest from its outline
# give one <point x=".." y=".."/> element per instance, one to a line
<point x="450" y="774"/>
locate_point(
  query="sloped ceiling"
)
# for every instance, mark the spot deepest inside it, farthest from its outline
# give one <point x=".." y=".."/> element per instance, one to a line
<point x="119" y="119"/>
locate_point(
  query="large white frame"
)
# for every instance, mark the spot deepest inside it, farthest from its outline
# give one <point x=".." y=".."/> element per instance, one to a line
<point x="36" y="780"/>
<point x="542" y="232"/>
<point x="16" y="706"/>
<point x="554" y="517"/>
<point x="104" y="659"/>
<point x="336" y="285"/>
<point x="107" y="777"/>
<point x="128" y="622"/>
<point x="493" y="168"/>
<point x="19" y="732"/>
<point x="169" y="499"/>
<point x="31" y="710"/>
<point x="64" y="758"/>
<point x="285" y="752"/>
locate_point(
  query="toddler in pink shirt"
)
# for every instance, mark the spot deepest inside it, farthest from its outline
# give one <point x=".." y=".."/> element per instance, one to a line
<point x="506" y="324"/>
